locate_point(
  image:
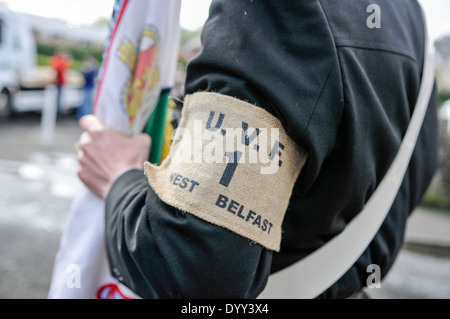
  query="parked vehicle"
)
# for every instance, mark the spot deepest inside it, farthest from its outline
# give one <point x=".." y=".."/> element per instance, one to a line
<point x="22" y="82"/>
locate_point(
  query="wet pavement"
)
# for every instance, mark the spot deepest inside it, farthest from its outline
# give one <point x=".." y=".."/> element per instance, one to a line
<point x="422" y="269"/>
<point x="37" y="183"/>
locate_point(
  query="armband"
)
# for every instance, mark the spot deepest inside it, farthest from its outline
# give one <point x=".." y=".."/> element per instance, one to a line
<point x="232" y="164"/>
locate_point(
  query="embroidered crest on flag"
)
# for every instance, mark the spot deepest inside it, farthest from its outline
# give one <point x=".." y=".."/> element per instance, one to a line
<point x="142" y="88"/>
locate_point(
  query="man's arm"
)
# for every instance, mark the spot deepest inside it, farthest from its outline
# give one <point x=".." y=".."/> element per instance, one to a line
<point x="162" y="252"/>
<point x="165" y="241"/>
<point x="155" y="249"/>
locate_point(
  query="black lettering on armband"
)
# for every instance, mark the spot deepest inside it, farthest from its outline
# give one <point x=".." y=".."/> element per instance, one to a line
<point x="264" y="225"/>
<point x="176" y="179"/>
<point x="233" y="205"/>
<point x="246" y="140"/>
<point x="239" y="213"/>
<point x="194" y="183"/>
<point x="221" y="201"/>
<point x="270" y="227"/>
<point x="184" y="182"/>
<point x="237" y="209"/>
<point x="257" y="221"/>
<point x="218" y="124"/>
<point x="250" y="215"/>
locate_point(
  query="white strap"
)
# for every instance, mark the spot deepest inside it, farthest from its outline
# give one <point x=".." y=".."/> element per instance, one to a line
<point x="315" y="273"/>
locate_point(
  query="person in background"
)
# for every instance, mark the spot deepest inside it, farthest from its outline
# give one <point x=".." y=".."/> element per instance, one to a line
<point x="89" y="71"/>
<point x="60" y="62"/>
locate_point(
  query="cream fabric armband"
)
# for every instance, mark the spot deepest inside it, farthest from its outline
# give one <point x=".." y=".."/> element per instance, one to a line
<point x="232" y="164"/>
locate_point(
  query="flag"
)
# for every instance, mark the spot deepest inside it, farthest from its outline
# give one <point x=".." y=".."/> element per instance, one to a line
<point x="137" y="73"/>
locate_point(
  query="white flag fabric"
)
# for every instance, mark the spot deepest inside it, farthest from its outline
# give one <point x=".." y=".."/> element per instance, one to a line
<point x="138" y="68"/>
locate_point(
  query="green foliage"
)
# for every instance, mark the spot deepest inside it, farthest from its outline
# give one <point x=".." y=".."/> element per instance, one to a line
<point x="78" y="53"/>
<point x="186" y="35"/>
<point x="436" y="198"/>
<point x="102" y="21"/>
<point x="442" y="97"/>
<point x="438" y="194"/>
<point x="43" y="60"/>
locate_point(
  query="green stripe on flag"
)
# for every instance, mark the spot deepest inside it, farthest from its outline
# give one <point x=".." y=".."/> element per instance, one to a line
<point x="155" y="128"/>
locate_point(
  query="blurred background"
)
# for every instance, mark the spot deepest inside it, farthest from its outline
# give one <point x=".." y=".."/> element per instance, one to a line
<point x="40" y="40"/>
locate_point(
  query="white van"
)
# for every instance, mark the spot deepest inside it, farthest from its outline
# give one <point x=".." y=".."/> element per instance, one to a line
<point x="22" y="83"/>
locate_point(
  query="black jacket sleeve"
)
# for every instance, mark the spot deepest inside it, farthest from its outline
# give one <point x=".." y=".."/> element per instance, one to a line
<point x="161" y="252"/>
